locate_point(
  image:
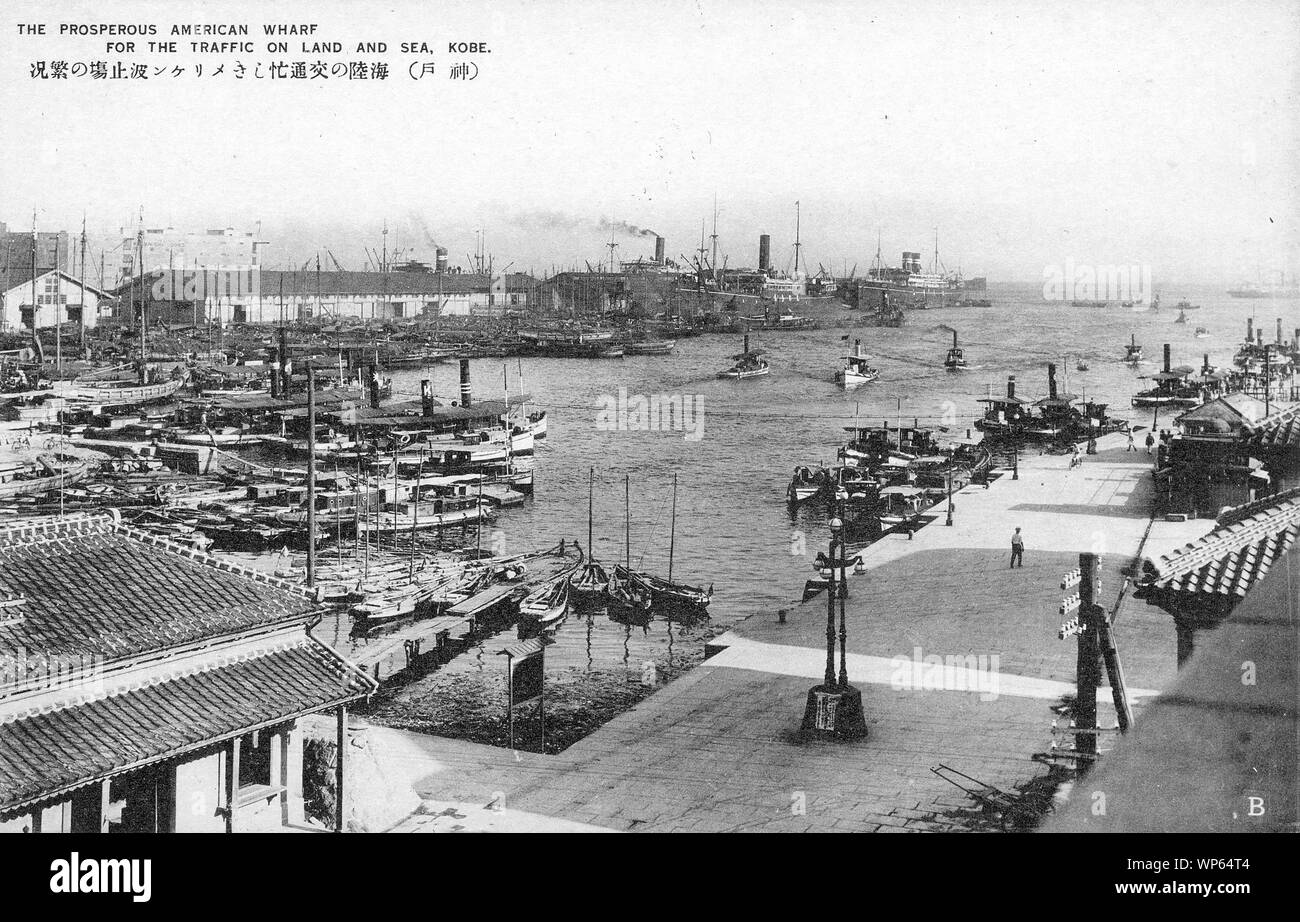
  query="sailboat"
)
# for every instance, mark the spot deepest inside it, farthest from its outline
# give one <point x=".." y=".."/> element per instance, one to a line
<point x="856" y="371"/>
<point x="676" y="595"/>
<point x="665" y="593"/>
<point x="627" y="594"/>
<point x="587" y="586"/>
<point x="748" y="364"/>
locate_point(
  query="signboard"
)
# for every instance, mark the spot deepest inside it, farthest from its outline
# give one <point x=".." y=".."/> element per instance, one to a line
<point x="526" y="677"/>
<point x="525" y="664"/>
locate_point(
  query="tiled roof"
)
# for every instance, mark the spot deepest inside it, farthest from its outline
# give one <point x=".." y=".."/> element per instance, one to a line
<point x="1242" y="547"/>
<point x="96" y="590"/>
<point x="1281" y="430"/>
<point x="48" y="752"/>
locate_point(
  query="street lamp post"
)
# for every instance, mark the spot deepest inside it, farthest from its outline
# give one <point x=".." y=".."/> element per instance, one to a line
<point x="1015" y="460"/>
<point x="949" y="521"/>
<point x="834" y="708"/>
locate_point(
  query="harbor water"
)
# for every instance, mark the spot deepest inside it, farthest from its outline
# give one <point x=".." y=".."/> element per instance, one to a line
<point x="734" y="529"/>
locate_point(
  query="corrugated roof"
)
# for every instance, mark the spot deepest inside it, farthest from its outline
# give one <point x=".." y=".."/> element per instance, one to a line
<point x="47" y="753"/>
<point x="94" y="588"/>
<point x="1239" y="551"/>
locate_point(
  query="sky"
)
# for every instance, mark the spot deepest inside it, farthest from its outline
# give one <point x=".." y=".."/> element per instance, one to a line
<point x="1164" y="134"/>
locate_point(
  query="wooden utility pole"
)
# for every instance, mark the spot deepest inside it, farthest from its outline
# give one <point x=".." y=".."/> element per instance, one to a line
<point x="144" y="325"/>
<point x="82" y="329"/>
<point x="1085" y="708"/>
<point x="311" y="479"/>
<point x="58" y="309"/>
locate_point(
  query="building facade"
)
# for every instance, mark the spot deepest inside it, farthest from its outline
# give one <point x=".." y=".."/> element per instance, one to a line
<point x="148" y="687"/>
<point x="275" y="296"/>
<point x="56" y="298"/>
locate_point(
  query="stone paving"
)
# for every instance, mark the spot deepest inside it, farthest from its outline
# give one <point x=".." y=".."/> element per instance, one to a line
<point x="718" y="749"/>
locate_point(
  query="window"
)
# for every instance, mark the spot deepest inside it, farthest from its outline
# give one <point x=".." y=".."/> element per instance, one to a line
<point x="255" y="759"/>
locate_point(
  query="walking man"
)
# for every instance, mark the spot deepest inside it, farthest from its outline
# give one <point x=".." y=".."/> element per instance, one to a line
<point x="1018" y="549"/>
<point x="1151" y="441"/>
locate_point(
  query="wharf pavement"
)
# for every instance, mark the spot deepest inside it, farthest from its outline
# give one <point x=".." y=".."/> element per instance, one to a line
<point x="719" y="749"/>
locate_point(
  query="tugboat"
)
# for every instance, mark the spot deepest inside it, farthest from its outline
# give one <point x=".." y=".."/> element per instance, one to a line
<point x="1173" y="389"/>
<point x="748" y="364"/>
<point x="856" y="370"/>
<point x="955" y="359"/>
<point x="1202" y="332"/>
<point x="1132" y="352"/>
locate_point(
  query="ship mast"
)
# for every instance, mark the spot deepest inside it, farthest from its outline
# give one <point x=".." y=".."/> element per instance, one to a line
<point x="672" y="532"/>
<point x="714" y="237"/>
<point x="797" y="244"/>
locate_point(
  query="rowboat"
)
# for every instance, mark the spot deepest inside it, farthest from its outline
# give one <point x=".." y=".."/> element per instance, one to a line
<point x="546" y="604"/>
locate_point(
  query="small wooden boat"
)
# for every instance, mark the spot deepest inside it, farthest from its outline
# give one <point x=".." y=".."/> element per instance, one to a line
<point x="49" y="474"/>
<point x="119" y="393"/>
<point x="546" y="604"/>
<point x="748" y="364"/>
<point x="650" y="347"/>
<point x="1202" y="332"/>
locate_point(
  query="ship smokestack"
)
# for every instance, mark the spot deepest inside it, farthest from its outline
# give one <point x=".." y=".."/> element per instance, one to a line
<point x="954" y="339"/>
<point x="1011" y="385"/>
<point x="1205" y="364"/>
<point x="1166" y="358"/>
<point x="746" y="342"/>
<point x="1279" y="331"/>
<point x="466" y="397"/>
<point x="764" y="252"/>
<point x="659" y="251"/>
<point x="857" y="347"/>
<point x="273" y="359"/>
<point x="440" y="260"/>
<point x="426" y="398"/>
<point x="372" y="379"/>
<point x="1259" y="336"/>
<point x="1250" y="329"/>
<point x="1051" y="380"/>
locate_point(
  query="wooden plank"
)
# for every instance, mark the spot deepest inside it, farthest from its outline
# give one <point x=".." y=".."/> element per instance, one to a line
<point x="341" y="742"/>
<point x="103" y="805"/>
